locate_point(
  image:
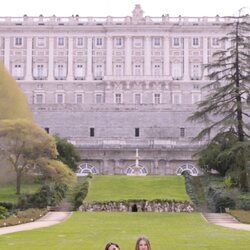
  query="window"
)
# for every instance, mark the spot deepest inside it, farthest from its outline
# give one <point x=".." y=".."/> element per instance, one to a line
<point x="196" y="86"/>
<point x="39" y="99"/>
<point x="59" y="98"/>
<point x="98" y="71"/>
<point x="118" y="70"/>
<point x="195" y="71"/>
<point x="157" y="42"/>
<point x="137" y="132"/>
<point x="99" y="42"/>
<point x="18" y="71"/>
<point x="39" y="86"/>
<point x="157" y="98"/>
<point x="118" y="42"/>
<point x="60" y="72"/>
<point x="39" y="70"/>
<point x="40" y="42"/>
<point x="60" y="41"/>
<point x="176" y="41"/>
<point x="196" y="41"/>
<point x="182" y="132"/>
<point x="215" y="42"/>
<point x="137" y="69"/>
<point x="98" y="99"/>
<point x="157" y="70"/>
<point x="177" y="70"/>
<point x="79" y="72"/>
<point x="137" y="98"/>
<point x="92" y="132"/>
<point x="79" y="98"/>
<point x="79" y="42"/>
<point x="18" y="41"/>
<point x="176" y="99"/>
<point x="118" y="98"/>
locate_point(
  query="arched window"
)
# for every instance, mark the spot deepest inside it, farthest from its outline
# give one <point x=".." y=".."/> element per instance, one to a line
<point x="133" y="170"/>
<point x="188" y="168"/>
<point x="85" y="169"/>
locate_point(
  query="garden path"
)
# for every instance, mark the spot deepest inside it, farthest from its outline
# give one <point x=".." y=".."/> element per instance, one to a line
<point x="51" y="218"/>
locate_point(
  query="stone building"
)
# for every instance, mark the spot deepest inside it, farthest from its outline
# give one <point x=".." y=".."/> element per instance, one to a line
<point x="112" y="85"/>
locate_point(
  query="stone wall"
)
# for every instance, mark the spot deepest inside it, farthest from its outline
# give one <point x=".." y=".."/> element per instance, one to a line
<point x="138" y="206"/>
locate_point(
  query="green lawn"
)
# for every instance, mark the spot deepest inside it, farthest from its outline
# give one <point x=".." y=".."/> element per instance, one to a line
<point x="106" y="188"/>
<point x="8" y="192"/>
<point x="89" y="231"/>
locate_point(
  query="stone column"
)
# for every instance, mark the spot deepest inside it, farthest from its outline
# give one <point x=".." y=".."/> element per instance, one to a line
<point x="7" y="53"/>
<point x="89" y="59"/>
<point x="147" y="56"/>
<point x="128" y="60"/>
<point x="51" y="59"/>
<point x="28" y="76"/>
<point x="205" y="56"/>
<point x="186" y="59"/>
<point x="166" y="56"/>
<point x="70" y="59"/>
<point x="109" y="57"/>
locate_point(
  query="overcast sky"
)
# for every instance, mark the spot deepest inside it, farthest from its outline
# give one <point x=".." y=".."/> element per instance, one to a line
<point x="121" y="8"/>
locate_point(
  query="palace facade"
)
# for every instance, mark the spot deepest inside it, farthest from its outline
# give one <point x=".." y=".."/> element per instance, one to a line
<point x="112" y="85"/>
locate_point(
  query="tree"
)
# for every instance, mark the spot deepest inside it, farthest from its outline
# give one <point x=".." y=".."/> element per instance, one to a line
<point x="24" y="145"/>
<point x="218" y="154"/>
<point x="13" y="102"/>
<point x="224" y="108"/>
<point x="67" y="153"/>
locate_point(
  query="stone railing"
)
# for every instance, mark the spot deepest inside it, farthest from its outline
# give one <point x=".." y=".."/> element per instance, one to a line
<point x="138" y="206"/>
<point x="77" y="20"/>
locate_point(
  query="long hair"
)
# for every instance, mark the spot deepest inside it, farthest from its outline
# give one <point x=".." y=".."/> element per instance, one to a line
<point x="111" y="244"/>
<point x="145" y="239"/>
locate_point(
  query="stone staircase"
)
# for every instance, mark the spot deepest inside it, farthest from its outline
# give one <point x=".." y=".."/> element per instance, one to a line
<point x="219" y="218"/>
<point x="63" y="206"/>
<point x="225" y="220"/>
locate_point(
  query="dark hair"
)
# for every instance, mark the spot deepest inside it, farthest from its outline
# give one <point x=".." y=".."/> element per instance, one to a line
<point x="111" y="244"/>
<point x="145" y="239"/>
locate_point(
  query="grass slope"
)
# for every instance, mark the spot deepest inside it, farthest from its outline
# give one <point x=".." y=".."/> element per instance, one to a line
<point x="88" y="231"/>
<point x="106" y="188"/>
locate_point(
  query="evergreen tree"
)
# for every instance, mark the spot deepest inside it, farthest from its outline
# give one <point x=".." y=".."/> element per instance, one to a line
<point x="225" y="106"/>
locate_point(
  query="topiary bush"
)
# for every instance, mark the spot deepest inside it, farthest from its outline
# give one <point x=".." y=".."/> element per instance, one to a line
<point x="79" y="193"/>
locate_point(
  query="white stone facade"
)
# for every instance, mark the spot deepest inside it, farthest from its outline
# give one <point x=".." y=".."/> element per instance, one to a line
<point x="112" y="85"/>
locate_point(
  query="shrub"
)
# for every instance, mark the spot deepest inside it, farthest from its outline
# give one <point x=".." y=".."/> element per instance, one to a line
<point x="80" y="192"/>
<point x="3" y="212"/>
<point x="228" y="182"/>
<point x="8" y="205"/>
<point x="218" y="200"/>
<point x="49" y="195"/>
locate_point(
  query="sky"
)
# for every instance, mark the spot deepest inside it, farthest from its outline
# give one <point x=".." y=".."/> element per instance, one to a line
<point x="121" y="8"/>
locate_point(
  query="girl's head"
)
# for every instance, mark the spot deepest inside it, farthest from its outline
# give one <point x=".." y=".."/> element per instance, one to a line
<point x="142" y="243"/>
<point x="112" y="246"/>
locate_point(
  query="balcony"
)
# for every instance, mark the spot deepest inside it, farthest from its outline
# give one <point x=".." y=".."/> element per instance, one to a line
<point x="137" y="78"/>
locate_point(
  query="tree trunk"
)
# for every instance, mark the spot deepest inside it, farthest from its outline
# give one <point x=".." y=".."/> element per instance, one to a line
<point x="18" y="182"/>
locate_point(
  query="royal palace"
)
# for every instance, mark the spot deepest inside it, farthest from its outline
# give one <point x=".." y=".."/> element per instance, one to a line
<point x="119" y="88"/>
